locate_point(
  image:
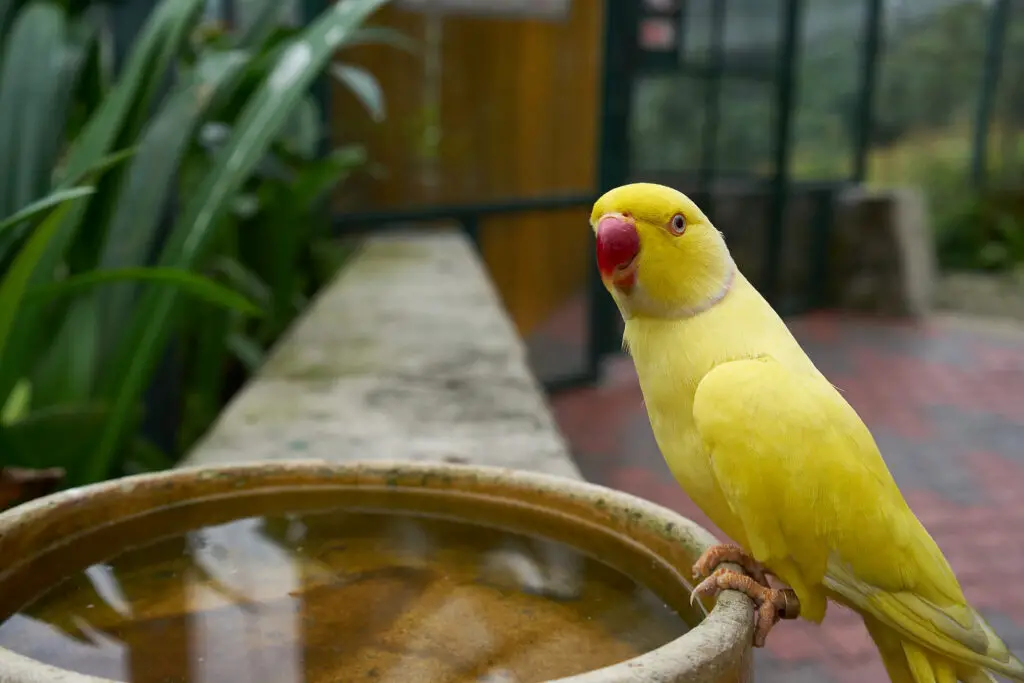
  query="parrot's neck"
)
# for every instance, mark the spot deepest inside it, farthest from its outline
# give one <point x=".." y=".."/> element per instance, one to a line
<point x="640" y="304"/>
<point x="717" y="295"/>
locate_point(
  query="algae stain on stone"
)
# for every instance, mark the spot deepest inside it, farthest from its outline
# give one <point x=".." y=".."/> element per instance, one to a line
<point x="356" y="356"/>
<point x="385" y="255"/>
<point x="359" y="353"/>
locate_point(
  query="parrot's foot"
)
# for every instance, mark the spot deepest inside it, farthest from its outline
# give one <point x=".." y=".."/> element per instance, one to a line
<point x="772" y="604"/>
<point x="717" y="554"/>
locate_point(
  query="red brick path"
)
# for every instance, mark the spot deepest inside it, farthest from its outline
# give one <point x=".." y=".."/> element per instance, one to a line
<point x="945" y="400"/>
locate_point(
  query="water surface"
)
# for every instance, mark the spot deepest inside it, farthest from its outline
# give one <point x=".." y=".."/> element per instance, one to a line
<point x="346" y="596"/>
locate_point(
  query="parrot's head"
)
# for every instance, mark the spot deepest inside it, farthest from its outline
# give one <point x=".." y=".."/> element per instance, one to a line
<point x="658" y="254"/>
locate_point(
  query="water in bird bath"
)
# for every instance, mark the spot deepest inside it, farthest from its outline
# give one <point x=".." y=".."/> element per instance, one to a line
<point x="302" y="593"/>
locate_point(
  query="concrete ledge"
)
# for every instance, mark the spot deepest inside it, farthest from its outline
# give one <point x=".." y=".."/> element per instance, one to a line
<point x="408" y="355"/>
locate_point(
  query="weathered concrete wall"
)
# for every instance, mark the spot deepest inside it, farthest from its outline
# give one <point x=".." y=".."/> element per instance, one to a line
<point x="408" y="354"/>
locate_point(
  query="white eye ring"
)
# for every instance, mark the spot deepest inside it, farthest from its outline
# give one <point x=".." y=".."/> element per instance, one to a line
<point x="678" y="224"/>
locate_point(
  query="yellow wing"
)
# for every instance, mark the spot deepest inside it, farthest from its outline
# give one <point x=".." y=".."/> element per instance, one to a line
<point x="820" y="508"/>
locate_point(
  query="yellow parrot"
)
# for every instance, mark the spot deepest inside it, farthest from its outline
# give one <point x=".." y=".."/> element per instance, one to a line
<point x="773" y="454"/>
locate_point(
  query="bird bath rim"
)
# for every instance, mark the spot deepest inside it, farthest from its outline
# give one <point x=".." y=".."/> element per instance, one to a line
<point x="716" y="649"/>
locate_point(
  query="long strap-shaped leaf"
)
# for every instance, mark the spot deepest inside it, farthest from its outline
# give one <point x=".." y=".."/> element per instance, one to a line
<point x="93" y="324"/>
<point x="30" y="90"/>
<point x="37" y="126"/>
<point x="119" y="117"/>
<point x="38" y="208"/>
<point x="7" y="8"/>
<point x="132" y="230"/>
<point x="16" y="281"/>
<point x="23" y="346"/>
<point x="152" y="53"/>
<point x="202" y="288"/>
<point x="265" y="17"/>
<point x="258" y="124"/>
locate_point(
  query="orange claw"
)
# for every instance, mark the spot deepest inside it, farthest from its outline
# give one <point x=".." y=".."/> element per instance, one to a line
<point x="772" y="604"/>
<point x="717" y="554"/>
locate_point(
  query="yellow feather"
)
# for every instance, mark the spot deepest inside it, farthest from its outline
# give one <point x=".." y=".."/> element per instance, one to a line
<point x="777" y="458"/>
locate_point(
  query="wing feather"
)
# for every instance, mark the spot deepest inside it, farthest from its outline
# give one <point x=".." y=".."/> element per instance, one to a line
<point x="803" y="473"/>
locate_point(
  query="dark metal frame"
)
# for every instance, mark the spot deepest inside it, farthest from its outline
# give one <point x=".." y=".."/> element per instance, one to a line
<point x="995" y="43"/>
<point x="869" y="77"/>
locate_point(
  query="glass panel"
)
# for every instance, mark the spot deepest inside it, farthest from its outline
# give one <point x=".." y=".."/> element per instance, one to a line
<point x="745" y="127"/>
<point x="752" y="32"/>
<point x="929" y="78"/>
<point x="697" y="30"/>
<point x="668" y="117"/>
<point x="828" y="93"/>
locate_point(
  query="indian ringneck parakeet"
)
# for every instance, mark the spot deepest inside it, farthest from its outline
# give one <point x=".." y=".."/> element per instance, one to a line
<point x="773" y="454"/>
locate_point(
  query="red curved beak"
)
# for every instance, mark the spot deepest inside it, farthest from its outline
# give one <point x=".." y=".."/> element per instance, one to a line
<point x="618" y="244"/>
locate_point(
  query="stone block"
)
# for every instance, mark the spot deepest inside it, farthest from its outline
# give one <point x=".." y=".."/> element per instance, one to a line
<point x="882" y="259"/>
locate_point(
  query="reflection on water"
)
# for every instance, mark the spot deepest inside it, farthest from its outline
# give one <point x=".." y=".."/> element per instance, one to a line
<point x="343" y="596"/>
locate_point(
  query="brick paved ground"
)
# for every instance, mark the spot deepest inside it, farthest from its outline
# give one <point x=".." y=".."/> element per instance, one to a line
<point x="945" y="400"/>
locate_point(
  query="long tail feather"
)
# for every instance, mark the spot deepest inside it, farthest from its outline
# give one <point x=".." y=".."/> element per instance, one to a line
<point x="955" y="634"/>
<point x="907" y="662"/>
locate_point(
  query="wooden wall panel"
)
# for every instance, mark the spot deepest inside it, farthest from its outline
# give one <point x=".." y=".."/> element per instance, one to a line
<point x="516" y="106"/>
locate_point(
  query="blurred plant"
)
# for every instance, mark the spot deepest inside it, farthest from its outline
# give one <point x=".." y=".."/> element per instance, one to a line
<point x="982" y="232"/>
<point x="276" y="244"/>
<point x="76" y="365"/>
<point x="22" y="431"/>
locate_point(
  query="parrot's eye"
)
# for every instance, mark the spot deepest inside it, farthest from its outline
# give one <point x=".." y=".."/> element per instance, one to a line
<point x="678" y="224"/>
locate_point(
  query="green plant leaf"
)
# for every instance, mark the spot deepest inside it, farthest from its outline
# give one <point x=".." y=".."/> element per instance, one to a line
<point x="84" y="36"/>
<point x="149" y="179"/>
<point x="145" y="457"/>
<point x="15" y="283"/>
<point x="266" y="17"/>
<point x="258" y="125"/>
<point x="53" y="437"/>
<point x="201" y="288"/>
<point x="302" y="133"/>
<point x="364" y="86"/>
<point x="204" y="395"/>
<point x="247" y="350"/>
<point x="23" y="342"/>
<point x="7" y="8"/>
<point x="244" y="280"/>
<point x="18" y="402"/>
<point x="32" y="90"/>
<point x="36" y="209"/>
<point x="132" y="230"/>
<point x="321" y="176"/>
<point x="71" y="366"/>
<point x="153" y="50"/>
<point x="10" y="237"/>
<point x="97" y="70"/>
<point x="104" y="164"/>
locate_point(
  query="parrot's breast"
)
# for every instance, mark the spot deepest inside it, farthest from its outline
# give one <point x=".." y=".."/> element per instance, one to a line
<point x="672" y="356"/>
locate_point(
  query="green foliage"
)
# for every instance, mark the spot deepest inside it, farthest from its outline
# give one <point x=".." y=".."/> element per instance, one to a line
<point x="929" y="80"/>
<point x="982" y="232"/>
<point x="96" y="277"/>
